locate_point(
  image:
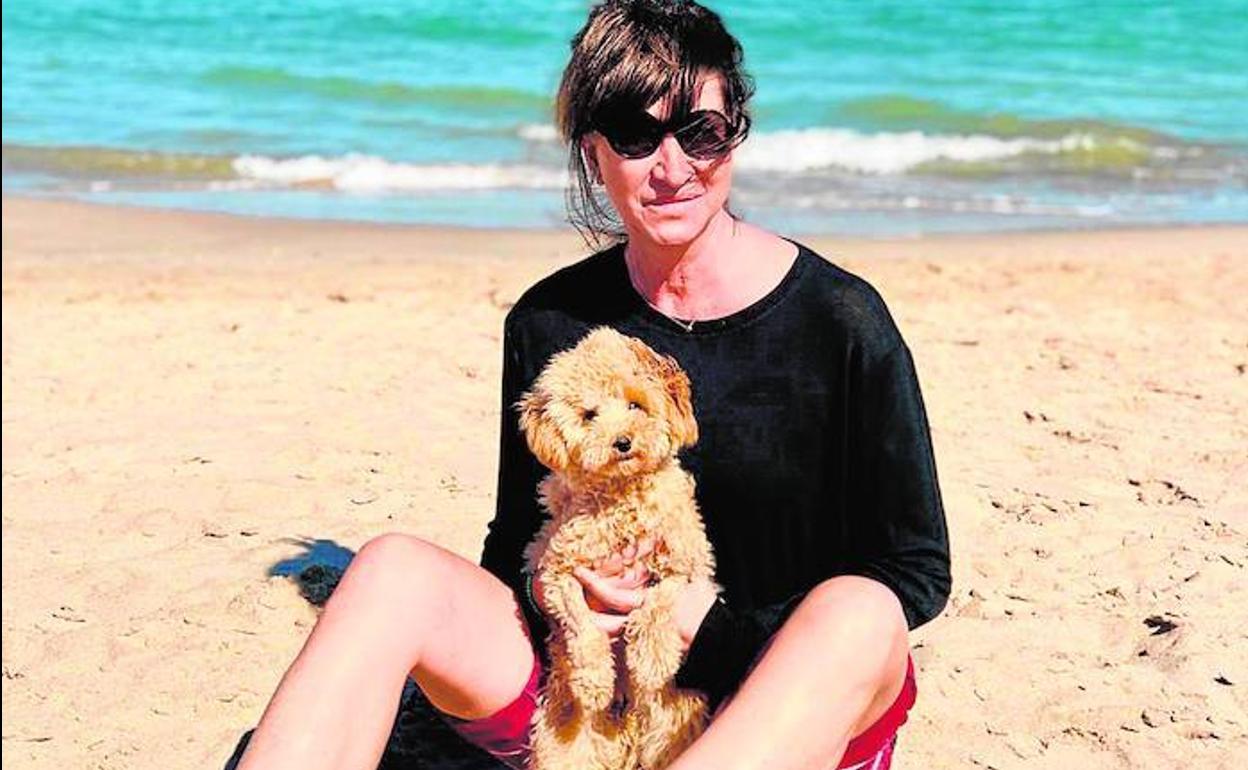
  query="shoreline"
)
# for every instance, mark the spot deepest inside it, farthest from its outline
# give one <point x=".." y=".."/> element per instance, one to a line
<point x="32" y="204"/>
<point x="196" y="403"/>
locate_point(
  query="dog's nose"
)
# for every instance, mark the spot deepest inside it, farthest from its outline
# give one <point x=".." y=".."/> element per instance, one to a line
<point x="623" y="444"/>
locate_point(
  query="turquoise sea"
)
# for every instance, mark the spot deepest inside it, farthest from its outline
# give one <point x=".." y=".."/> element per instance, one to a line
<point x="871" y="117"/>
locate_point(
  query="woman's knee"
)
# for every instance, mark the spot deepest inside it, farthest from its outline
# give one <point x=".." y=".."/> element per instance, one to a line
<point x="390" y="567"/>
<point x="394" y="550"/>
<point x="861" y="612"/>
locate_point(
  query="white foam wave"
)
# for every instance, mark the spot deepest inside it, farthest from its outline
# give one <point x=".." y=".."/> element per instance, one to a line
<point x="886" y="153"/>
<point x="539" y="132"/>
<point x="366" y="173"/>
<point x="792" y="152"/>
<point x="811" y="149"/>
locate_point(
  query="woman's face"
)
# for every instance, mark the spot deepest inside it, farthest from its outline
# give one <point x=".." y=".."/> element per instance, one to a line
<point x="666" y="198"/>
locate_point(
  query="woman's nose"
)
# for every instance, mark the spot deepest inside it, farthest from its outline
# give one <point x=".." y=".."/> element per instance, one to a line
<point x="672" y="166"/>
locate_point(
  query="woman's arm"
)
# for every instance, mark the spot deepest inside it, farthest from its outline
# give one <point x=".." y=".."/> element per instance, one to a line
<point x="517" y="516"/>
<point x="895" y="524"/>
<point x="898" y="525"/>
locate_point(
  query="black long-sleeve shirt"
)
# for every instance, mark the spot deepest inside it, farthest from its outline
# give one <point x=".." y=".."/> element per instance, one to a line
<point x="814" y="457"/>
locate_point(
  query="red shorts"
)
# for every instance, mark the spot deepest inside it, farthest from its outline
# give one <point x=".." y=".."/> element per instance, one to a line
<point x="505" y="734"/>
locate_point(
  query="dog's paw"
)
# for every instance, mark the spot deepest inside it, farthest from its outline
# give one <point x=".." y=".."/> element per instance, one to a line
<point x="652" y="652"/>
<point x="592" y="691"/>
<point x="652" y="667"/>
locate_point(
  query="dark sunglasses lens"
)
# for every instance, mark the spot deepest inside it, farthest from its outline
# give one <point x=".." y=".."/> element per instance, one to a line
<point x="636" y="136"/>
<point x="707" y="135"/>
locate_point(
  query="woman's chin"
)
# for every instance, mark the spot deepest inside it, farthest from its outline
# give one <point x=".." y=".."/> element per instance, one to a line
<point x="674" y="231"/>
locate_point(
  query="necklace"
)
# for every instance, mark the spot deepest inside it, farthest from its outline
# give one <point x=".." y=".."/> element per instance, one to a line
<point x="686" y="325"/>
<point x="636" y="282"/>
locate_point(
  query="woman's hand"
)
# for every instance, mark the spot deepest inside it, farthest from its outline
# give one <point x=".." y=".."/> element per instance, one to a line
<point x="616" y="586"/>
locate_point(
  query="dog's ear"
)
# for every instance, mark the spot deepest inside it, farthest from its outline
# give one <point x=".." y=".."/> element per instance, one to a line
<point x="540" y="430"/>
<point x="675" y="383"/>
<point x="679" y="393"/>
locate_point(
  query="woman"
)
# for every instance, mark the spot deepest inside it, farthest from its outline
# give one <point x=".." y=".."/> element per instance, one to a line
<point x="814" y="468"/>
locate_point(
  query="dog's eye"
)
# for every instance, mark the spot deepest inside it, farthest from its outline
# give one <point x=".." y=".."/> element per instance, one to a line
<point x="636" y="405"/>
<point x="589" y="414"/>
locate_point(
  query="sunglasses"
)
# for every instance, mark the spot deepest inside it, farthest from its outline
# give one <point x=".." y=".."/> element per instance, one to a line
<point x="702" y="134"/>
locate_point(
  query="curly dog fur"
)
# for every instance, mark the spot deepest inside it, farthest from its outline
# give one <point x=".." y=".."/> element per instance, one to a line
<point x="608" y="417"/>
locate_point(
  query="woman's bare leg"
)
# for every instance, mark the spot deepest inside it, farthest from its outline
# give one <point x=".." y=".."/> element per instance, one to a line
<point x="831" y="671"/>
<point x="404" y="605"/>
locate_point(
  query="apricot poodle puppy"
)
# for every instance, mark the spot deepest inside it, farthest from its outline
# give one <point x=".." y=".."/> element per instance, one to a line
<point x="608" y="417"/>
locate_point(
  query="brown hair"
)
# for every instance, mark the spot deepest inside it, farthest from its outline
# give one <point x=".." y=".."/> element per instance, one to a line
<point x="630" y="54"/>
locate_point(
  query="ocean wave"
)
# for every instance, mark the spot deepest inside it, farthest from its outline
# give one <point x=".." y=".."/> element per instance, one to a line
<point x="782" y="152"/>
<point x="901" y="113"/>
<point x="348" y="173"/>
<point x="112" y="163"/>
<point x="366" y="173"/>
<point x="771" y="158"/>
<point x="1092" y="150"/>
<point x="538" y="132"/>
<point x="1000" y="204"/>
<point x="901" y="152"/>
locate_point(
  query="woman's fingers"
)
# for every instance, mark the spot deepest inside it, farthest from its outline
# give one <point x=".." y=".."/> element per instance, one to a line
<point x="610" y="623"/>
<point x="613" y="583"/>
<point x="612" y="594"/>
<point x="615" y="586"/>
<point x="634" y="577"/>
<point x="641" y="578"/>
<point x="612" y="565"/>
<point x="630" y="554"/>
<point x="645" y="547"/>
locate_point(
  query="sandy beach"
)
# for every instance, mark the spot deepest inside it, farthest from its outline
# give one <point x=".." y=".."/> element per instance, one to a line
<point x="194" y="403"/>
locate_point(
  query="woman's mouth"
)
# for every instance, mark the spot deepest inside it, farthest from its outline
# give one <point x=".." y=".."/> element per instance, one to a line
<point x="673" y="202"/>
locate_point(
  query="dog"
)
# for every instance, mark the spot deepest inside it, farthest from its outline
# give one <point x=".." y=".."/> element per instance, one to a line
<point x="607" y="417"/>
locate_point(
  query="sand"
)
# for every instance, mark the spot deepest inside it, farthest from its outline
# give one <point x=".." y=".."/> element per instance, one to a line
<point x="193" y="404"/>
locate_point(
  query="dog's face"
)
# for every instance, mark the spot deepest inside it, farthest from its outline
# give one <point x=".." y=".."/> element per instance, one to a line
<point x="608" y="407"/>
